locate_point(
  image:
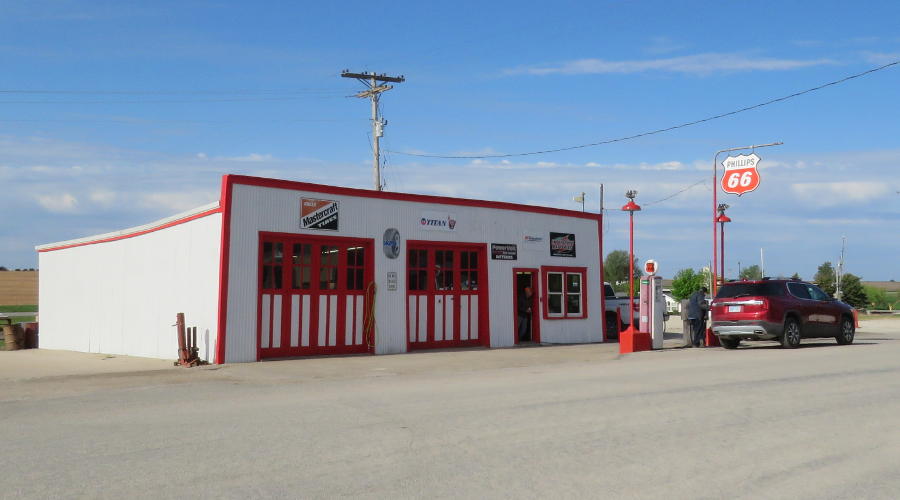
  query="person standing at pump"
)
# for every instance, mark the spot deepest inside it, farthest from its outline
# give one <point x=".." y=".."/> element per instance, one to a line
<point x="697" y="315"/>
<point x="524" y="308"/>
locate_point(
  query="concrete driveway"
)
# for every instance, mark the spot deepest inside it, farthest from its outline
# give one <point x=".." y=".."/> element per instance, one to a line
<point x="575" y="421"/>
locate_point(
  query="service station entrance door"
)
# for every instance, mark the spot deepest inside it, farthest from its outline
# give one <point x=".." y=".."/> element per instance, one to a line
<point x="314" y="293"/>
<point x="446" y="287"/>
<point x="531" y="331"/>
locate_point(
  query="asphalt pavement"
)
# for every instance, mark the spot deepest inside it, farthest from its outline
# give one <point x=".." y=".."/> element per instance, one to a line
<point x="820" y="421"/>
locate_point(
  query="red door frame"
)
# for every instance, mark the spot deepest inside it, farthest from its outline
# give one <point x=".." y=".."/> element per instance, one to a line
<point x="484" y="334"/>
<point x="535" y="288"/>
<point x="286" y="291"/>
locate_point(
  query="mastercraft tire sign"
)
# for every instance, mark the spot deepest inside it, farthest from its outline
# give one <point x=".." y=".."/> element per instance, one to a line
<point x="741" y="175"/>
<point x="319" y="214"/>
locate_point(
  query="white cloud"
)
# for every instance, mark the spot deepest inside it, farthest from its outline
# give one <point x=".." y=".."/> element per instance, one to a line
<point x="58" y="203"/>
<point x="176" y="201"/>
<point x="698" y="64"/>
<point x="881" y="57"/>
<point x="838" y="193"/>
<point x="252" y="157"/>
<point x="103" y="197"/>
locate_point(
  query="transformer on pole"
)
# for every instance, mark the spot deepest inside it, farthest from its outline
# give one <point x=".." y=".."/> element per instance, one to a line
<point x="374" y="87"/>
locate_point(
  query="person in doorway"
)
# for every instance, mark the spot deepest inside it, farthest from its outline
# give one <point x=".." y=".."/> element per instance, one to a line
<point x="697" y="309"/>
<point x="524" y="308"/>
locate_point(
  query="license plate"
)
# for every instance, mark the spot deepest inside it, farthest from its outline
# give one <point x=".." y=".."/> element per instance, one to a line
<point x="734" y="309"/>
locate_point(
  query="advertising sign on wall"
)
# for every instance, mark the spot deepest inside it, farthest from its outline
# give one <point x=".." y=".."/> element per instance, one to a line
<point x="532" y="241"/>
<point x="562" y="245"/>
<point x="504" y="251"/>
<point x="391" y="243"/>
<point x="318" y="214"/>
<point x="438" y="221"/>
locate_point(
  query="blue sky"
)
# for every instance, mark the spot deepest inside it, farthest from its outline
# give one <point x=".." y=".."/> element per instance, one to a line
<point x="187" y="91"/>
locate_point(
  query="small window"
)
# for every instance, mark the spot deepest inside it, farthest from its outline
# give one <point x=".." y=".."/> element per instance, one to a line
<point x="468" y="274"/>
<point x="417" y="270"/>
<point x="564" y="293"/>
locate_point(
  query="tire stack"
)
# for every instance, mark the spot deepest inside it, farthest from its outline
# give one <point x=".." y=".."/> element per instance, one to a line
<point x="13" y="337"/>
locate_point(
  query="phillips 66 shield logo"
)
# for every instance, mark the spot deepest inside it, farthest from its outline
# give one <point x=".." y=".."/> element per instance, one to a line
<point x="741" y="175"/>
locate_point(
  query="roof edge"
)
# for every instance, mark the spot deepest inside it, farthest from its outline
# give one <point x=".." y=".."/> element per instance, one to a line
<point x="178" y="218"/>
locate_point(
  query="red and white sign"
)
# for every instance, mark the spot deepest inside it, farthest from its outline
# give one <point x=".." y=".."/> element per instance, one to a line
<point x="741" y="175"/>
<point x="650" y="267"/>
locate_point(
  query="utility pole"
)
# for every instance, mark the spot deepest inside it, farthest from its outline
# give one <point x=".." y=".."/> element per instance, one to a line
<point x="762" y="263"/>
<point x="840" y="270"/>
<point x="374" y="87"/>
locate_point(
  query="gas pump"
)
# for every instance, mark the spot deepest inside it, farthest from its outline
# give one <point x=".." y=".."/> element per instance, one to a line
<point x="652" y="305"/>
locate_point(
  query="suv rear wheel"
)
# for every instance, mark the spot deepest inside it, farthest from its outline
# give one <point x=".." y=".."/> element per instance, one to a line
<point x="790" y="338"/>
<point x="848" y="329"/>
<point x="728" y="343"/>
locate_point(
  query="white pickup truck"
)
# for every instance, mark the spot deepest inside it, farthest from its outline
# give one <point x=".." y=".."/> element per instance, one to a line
<point x="617" y="308"/>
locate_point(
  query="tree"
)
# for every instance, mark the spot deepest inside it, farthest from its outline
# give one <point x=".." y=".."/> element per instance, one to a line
<point x="796" y="276"/>
<point x="686" y="282"/>
<point x="3" y="268"/>
<point x="615" y="270"/>
<point x="852" y="291"/>
<point x="877" y="298"/>
<point x="751" y="273"/>
<point x="825" y="278"/>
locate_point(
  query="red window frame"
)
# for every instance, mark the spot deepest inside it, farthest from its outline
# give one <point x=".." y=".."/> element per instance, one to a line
<point x="545" y="295"/>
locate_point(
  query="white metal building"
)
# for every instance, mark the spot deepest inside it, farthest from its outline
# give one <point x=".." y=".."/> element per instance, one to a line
<point x="279" y="268"/>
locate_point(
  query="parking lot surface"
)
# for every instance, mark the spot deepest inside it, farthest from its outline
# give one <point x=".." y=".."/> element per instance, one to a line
<point x="820" y="421"/>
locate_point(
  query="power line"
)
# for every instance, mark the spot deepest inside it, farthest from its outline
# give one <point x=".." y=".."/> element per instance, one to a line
<point x="171" y="92"/>
<point x="176" y="101"/>
<point x="676" y="193"/>
<point x="657" y="131"/>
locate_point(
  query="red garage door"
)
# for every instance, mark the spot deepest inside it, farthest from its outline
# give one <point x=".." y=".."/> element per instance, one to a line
<point x="446" y="295"/>
<point x="313" y="295"/>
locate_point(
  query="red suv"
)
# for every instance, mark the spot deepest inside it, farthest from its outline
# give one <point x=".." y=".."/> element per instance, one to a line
<point x="783" y="310"/>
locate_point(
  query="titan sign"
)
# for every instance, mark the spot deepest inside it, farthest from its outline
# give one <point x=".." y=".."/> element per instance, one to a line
<point x="741" y="175"/>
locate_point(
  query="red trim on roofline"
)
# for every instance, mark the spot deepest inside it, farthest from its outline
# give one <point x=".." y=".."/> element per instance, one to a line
<point x="224" y="251"/>
<point x="138" y="233"/>
<point x="420" y="198"/>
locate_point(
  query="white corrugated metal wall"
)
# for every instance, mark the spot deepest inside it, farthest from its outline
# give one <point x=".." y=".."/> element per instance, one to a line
<point x="255" y="209"/>
<point x="121" y="297"/>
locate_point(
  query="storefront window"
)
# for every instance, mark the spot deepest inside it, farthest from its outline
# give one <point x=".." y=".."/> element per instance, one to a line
<point x="564" y="292"/>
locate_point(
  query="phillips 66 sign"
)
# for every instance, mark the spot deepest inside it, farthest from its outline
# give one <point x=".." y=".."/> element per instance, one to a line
<point x="741" y="175"/>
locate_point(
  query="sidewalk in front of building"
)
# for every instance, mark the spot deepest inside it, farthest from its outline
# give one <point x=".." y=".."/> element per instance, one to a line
<point x="41" y="365"/>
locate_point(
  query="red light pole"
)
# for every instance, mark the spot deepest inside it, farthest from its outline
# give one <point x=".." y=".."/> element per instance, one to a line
<point x="722" y="219"/>
<point x="631" y="340"/>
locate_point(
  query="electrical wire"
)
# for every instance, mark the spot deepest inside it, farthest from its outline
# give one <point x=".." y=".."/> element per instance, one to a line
<point x="676" y="193"/>
<point x="657" y="131"/>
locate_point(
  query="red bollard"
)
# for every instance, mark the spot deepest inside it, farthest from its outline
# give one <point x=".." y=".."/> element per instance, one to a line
<point x="856" y="317"/>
